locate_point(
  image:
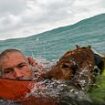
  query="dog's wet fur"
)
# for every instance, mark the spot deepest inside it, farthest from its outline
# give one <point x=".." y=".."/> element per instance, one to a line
<point x="80" y="65"/>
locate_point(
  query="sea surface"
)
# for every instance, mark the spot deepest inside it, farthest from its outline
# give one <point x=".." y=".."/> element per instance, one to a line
<point x="51" y="45"/>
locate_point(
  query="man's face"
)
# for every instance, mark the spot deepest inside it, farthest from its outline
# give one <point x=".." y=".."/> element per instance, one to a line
<point x="16" y="66"/>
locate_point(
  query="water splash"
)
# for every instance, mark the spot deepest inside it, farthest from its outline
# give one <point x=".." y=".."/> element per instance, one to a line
<point x="63" y="91"/>
<point x="60" y="90"/>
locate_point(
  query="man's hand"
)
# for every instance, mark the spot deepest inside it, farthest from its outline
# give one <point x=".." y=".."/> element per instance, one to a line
<point x="33" y="62"/>
<point x="38" y="68"/>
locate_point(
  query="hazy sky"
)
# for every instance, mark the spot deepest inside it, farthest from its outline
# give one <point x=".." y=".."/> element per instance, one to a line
<point x="20" y="18"/>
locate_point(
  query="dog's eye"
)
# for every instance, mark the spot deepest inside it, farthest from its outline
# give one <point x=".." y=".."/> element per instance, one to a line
<point x="65" y="66"/>
<point x="74" y="67"/>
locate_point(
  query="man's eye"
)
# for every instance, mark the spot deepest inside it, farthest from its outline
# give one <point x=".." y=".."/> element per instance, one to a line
<point x="21" y="66"/>
<point x="8" y="71"/>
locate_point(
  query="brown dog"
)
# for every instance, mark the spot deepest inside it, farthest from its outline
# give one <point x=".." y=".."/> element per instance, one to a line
<point x="77" y="65"/>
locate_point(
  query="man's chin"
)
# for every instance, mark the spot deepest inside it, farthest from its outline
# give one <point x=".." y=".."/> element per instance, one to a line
<point x="19" y="78"/>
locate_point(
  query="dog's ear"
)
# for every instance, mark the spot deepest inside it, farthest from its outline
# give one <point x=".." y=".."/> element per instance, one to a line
<point x="77" y="46"/>
<point x="89" y="46"/>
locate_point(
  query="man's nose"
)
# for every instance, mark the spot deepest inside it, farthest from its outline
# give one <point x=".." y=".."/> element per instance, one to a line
<point x="18" y="73"/>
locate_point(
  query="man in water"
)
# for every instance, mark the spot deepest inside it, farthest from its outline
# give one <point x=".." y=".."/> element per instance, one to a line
<point x="15" y="65"/>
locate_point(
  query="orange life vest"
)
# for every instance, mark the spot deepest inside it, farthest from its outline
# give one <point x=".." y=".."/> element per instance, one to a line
<point x="17" y="90"/>
<point x="14" y="89"/>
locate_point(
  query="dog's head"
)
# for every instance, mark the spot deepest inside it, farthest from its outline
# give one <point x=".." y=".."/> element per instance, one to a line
<point x="72" y="63"/>
<point x="65" y="69"/>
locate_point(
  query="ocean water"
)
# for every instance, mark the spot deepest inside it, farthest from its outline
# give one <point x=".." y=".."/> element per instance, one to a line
<point x="51" y="45"/>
